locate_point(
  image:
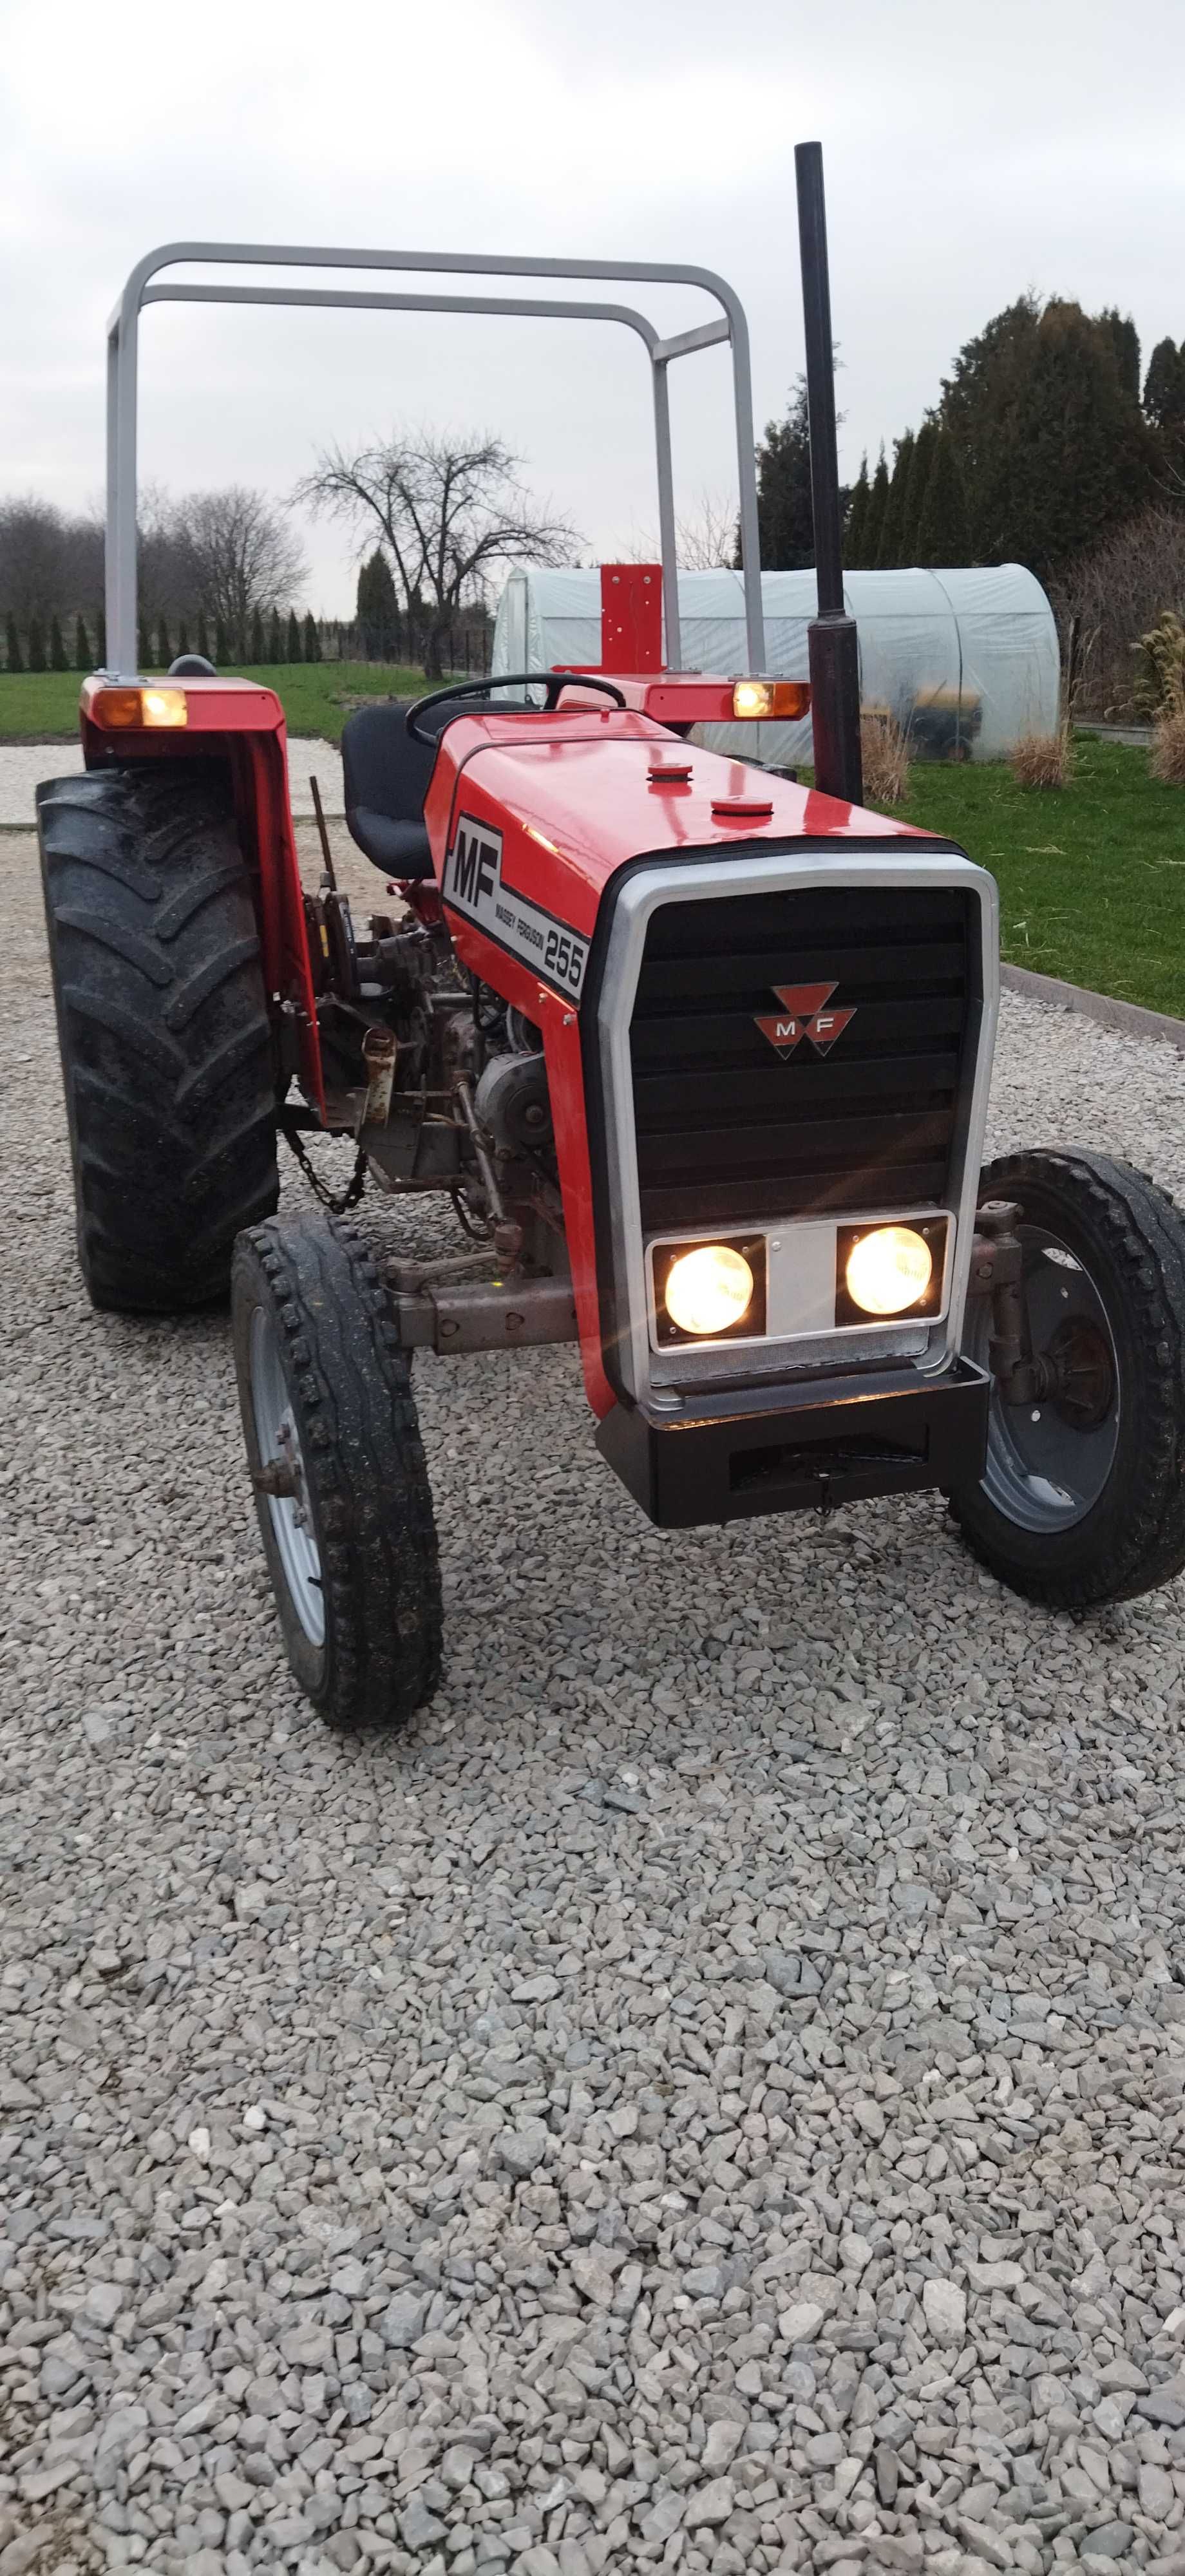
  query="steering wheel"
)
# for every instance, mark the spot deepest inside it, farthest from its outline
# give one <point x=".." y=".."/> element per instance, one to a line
<point x="553" y="683"/>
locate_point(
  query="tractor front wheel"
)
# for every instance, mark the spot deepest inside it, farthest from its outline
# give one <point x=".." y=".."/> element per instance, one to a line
<point x="162" y="1028"/>
<point x="341" y="1485"/>
<point x="1082" y="1499"/>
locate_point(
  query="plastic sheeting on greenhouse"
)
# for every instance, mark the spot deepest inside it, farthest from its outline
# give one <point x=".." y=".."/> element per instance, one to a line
<point x="966" y="660"/>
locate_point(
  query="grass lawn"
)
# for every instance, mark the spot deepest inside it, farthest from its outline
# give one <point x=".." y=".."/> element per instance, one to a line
<point x="42" y="706"/>
<point x="1091" y="876"/>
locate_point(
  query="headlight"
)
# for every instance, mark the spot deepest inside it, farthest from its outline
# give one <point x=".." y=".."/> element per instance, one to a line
<point x="709" y="1290"/>
<point x="889" y="1269"/>
<point x="759" y="699"/>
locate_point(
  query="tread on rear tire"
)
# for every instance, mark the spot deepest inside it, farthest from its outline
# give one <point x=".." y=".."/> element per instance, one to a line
<point x="162" y="1028"/>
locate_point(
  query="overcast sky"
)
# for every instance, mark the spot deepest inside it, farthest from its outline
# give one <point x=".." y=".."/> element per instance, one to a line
<point x="969" y="153"/>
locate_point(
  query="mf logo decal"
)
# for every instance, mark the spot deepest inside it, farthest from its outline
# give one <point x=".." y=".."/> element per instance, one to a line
<point x="804" y="1014"/>
<point x="473" y="882"/>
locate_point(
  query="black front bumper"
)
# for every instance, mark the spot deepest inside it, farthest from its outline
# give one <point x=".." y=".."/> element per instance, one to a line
<point x="814" y="1442"/>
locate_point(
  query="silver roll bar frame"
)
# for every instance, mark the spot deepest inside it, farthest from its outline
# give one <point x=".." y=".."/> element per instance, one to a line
<point x="123" y="383"/>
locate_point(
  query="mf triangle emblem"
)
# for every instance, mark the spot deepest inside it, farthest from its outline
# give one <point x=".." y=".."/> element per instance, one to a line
<point x="804" y="1013"/>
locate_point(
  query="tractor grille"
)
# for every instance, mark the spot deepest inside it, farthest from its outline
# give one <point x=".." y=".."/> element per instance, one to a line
<point x="728" y="1129"/>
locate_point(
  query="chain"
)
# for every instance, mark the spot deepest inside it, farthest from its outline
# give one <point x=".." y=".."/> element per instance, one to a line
<point x="338" y="1202"/>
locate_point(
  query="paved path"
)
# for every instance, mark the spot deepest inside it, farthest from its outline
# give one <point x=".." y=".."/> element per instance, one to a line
<point x="24" y="764"/>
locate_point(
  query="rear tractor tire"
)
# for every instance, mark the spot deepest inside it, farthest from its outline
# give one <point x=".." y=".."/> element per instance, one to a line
<point x="341" y="1485"/>
<point x="1082" y="1499"/>
<point x="162" y="1028"/>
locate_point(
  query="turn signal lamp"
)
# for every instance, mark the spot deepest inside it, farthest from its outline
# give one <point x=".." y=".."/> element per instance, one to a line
<point x="130" y="710"/>
<point x="756" y="699"/>
<point x="708" y="1290"/>
<point x="889" y="1269"/>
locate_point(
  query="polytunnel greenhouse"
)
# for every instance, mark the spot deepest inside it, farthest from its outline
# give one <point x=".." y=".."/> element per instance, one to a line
<point x="965" y="660"/>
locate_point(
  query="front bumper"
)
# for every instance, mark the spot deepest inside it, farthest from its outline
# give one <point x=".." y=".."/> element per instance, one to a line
<point x="731" y="1456"/>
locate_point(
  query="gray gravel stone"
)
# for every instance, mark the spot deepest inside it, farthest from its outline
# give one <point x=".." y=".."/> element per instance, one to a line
<point x="799" y="1908"/>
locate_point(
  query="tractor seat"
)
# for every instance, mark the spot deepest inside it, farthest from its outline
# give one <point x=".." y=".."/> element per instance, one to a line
<point x="386" y="778"/>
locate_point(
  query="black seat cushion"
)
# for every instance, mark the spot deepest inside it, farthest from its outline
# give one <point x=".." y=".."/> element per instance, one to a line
<point x="386" y="778"/>
<point x="386" y="775"/>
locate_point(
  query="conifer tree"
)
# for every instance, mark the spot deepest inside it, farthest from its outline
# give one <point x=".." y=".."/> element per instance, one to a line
<point x="889" y="550"/>
<point x="12" y="645"/>
<point x="143" y="646"/>
<point x="293" y="637"/>
<point x="36" y="644"/>
<point x="944" y="534"/>
<point x="854" y="525"/>
<point x="915" y="491"/>
<point x="58" y="657"/>
<point x="101" y="635"/>
<point x="82" y="646"/>
<point x="258" y="646"/>
<point x="312" y="641"/>
<point x="275" y="639"/>
<point x="163" y="647"/>
<point x="874" y="517"/>
<point x="203" y="637"/>
<point x="183" y="637"/>
<point x="221" y="645"/>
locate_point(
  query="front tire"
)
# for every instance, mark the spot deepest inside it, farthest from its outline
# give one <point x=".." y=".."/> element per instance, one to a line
<point x="162" y="1029"/>
<point x="341" y="1484"/>
<point x="1083" y="1496"/>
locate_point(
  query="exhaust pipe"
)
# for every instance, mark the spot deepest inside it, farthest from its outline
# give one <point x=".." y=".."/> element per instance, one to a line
<point x="831" y="636"/>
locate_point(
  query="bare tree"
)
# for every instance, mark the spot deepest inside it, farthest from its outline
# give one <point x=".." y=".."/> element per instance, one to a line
<point x="705" y="540"/>
<point x="50" y="565"/>
<point x="243" y="556"/>
<point x="449" y="510"/>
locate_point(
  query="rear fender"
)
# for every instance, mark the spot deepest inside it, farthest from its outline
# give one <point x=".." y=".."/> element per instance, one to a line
<point x="243" y="724"/>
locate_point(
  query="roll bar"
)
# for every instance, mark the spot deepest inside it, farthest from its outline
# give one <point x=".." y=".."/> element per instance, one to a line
<point x="122" y="375"/>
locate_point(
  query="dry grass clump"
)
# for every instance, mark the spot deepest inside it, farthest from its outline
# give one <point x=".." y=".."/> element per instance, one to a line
<point x="884" y="754"/>
<point x="1043" y="759"/>
<point x="1166" y="759"/>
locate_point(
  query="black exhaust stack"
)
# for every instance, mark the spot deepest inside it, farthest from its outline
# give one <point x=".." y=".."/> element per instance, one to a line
<point x="834" y="665"/>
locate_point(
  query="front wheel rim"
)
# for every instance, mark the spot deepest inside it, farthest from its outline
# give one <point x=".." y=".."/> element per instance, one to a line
<point x="1048" y="1462"/>
<point x="278" y="1441"/>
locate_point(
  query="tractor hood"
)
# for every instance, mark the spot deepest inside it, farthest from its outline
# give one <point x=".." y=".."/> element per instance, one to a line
<point x="571" y="798"/>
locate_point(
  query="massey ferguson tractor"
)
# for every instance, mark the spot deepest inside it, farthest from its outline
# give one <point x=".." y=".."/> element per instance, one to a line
<point x="698" y="1056"/>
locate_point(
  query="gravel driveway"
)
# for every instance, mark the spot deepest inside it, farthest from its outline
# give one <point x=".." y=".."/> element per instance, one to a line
<point x="711" y="2096"/>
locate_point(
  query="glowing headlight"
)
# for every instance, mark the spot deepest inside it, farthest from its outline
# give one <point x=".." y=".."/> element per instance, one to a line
<point x="758" y="699"/>
<point x="889" y="1269"/>
<point x="129" y="710"/>
<point x="708" y="1290"/>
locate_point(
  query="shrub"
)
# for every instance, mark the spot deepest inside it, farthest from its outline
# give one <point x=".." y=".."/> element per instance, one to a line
<point x="1167" y="757"/>
<point x="1043" y="759"/>
<point x="12" y="643"/>
<point x="884" y="754"/>
<point x="1160" y="678"/>
<point x="82" y="646"/>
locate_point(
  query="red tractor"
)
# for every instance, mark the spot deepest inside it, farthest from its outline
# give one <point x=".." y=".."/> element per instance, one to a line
<point x="699" y="1056"/>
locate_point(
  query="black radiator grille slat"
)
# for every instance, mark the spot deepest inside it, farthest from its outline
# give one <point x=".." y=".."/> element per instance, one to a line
<point x="725" y="1128"/>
